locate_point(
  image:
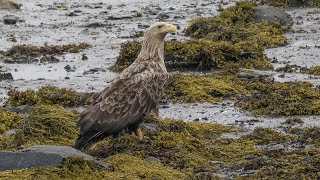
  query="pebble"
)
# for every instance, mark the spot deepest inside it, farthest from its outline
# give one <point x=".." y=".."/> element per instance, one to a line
<point x="10" y="19"/>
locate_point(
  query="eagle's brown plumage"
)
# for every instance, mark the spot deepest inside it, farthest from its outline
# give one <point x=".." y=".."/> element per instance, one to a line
<point x="130" y="96"/>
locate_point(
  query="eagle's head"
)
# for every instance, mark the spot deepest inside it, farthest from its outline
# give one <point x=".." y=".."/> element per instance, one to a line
<point x="160" y="30"/>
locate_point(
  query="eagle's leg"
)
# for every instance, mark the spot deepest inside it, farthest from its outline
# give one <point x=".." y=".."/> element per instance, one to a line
<point x="136" y="131"/>
<point x="139" y="134"/>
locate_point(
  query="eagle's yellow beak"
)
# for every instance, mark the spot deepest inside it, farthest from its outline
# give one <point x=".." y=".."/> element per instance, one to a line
<point x="170" y="28"/>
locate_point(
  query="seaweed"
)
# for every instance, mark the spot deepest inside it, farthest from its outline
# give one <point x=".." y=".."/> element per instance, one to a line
<point x="48" y="95"/>
<point x="197" y="88"/>
<point x="8" y="120"/>
<point x="23" y="53"/>
<point x="276" y="98"/>
<point x="267" y="136"/>
<point x="44" y="124"/>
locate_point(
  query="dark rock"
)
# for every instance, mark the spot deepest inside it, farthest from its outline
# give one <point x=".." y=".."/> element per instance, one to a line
<point x="94" y="70"/>
<point x="84" y="57"/>
<point x="9" y="19"/>
<point x="6" y="76"/>
<point x="67" y="68"/>
<point x="273" y="15"/>
<point x="281" y="75"/>
<point x="6" y="4"/>
<point x="95" y="25"/>
<point x="42" y="156"/>
<point x="20" y="109"/>
<point x="119" y="17"/>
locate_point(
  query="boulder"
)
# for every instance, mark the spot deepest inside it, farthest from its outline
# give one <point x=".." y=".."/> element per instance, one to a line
<point x="6" y="4"/>
<point x="42" y="156"/>
<point x="273" y="15"/>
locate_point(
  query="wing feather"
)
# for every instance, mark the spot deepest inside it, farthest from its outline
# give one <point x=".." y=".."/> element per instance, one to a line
<point x="124" y="102"/>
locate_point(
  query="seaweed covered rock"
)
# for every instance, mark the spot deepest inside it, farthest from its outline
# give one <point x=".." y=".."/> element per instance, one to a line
<point x="230" y="38"/>
<point x="196" y="88"/>
<point x="288" y="98"/>
<point x="188" y="147"/>
<point x="48" y="95"/>
<point x="267" y="136"/>
<point x="44" y="124"/>
<point x="8" y="120"/>
<point x="28" y="53"/>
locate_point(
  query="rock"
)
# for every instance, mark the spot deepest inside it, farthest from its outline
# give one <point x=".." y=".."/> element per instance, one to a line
<point x="119" y="17"/>
<point x="10" y="19"/>
<point x="6" y="76"/>
<point x="152" y="159"/>
<point x="41" y="156"/>
<point x="210" y="175"/>
<point x="150" y="126"/>
<point x="246" y="75"/>
<point x="273" y="15"/>
<point x="95" y="25"/>
<point x="20" y="109"/>
<point x="94" y="70"/>
<point x="6" y="4"/>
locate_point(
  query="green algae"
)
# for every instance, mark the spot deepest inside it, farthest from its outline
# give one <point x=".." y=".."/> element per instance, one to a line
<point x="267" y="136"/>
<point x="24" y="50"/>
<point x="128" y="164"/>
<point x="48" y="95"/>
<point x="8" y="120"/>
<point x="288" y="98"/>
<point x="301" y="164"/>
<point x="44" y="124"/>
<point x="315" y="70"/>
<point x="196" y="88"/>
<point x="293" y="121"/>
<point x="308" y="135"/>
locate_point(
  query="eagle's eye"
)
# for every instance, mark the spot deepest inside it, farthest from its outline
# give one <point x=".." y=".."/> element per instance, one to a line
<point x="160" y="26"/>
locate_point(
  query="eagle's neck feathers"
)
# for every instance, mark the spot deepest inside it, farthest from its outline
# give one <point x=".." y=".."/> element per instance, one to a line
<point x="152" y="49"/>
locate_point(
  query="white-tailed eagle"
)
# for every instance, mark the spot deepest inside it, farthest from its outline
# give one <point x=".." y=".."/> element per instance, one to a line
<point x="132" y="95"/>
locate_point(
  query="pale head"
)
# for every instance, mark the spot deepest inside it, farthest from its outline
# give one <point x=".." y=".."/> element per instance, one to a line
<point x="160" y="30"/>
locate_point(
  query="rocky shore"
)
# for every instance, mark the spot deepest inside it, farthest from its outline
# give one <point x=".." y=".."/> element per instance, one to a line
<point x="242" y="102"/>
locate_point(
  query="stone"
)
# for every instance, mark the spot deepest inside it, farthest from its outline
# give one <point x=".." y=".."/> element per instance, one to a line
<point x="20" y="109"/>
<point x="152" y="159"/>
<point x="210" y="175"/>
<point x="10" y="19"/>
<point x="273" y="15"/>
<point x="6" y="76"/>
<point x="42" y="156"/>
<point x="6" y="4"/>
